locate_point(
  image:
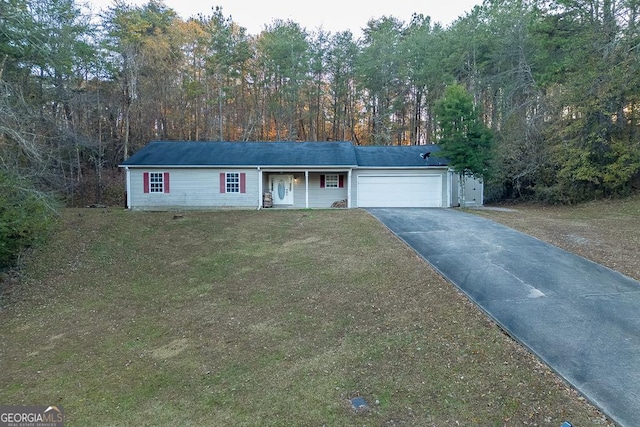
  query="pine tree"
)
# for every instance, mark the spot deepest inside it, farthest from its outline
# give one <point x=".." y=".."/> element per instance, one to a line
<point x="464" y="140"/>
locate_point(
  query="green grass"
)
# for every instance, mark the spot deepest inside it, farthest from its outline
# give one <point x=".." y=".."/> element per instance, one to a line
<point x="242" y="318"/>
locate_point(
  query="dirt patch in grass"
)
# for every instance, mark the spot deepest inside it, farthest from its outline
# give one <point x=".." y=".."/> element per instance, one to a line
<point x="607" y="232"/>
<point x="260" y="318"/>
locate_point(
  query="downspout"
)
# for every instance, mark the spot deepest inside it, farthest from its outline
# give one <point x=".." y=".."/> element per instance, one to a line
<point x="306" y="189"/>
<point x="449" y="187"/>
<point x="349" y="189"/>
<point x="128" y="187"/>
<point x="259" y="188"/>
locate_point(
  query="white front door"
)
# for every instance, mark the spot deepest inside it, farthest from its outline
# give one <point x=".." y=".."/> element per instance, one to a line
<point x="281" y="187"/>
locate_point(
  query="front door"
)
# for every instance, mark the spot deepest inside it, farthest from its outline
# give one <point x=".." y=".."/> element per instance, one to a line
<point x="281" y="187"/>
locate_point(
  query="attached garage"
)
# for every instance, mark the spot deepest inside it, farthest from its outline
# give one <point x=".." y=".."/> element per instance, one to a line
<point x="424" y="191"/>
<point x="239" y="174"/>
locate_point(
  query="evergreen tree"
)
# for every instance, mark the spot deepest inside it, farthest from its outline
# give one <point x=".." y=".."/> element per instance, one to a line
<point x="465" y="141"/>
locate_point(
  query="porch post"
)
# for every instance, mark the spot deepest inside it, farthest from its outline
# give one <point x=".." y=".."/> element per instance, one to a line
<point x="306" y="189"/>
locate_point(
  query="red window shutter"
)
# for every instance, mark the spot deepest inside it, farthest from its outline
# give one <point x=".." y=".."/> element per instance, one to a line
<point x="341" y="181"/>
<point x="223" y="183"/>
<point x="166" y="182"/>
<point x="145" y="178"/>
<point x="321" y="181"/>
<point x="243" y="182"/>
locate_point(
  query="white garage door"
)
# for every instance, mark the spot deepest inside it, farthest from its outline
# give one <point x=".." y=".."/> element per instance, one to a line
<point x="382" y="191"/>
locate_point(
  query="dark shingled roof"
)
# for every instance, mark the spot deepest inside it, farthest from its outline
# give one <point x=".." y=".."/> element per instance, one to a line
<point x="162" y="153"/>
<point x="281" y="154"/>
<point x="398" y="156"/>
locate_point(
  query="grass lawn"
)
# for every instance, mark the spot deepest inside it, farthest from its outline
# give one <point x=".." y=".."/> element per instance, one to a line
<point x="247" y="318"/>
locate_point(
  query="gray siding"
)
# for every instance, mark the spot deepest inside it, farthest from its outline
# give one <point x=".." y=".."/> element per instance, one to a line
<point x="318" y="197"/>
<point x="193" y="189"/>
<point x="325" y="197"/>
<point x="199" y="188"/>
<point x="398" y="172"/>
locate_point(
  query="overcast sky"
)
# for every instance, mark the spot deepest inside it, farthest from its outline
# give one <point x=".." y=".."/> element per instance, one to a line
<point x="331" y="15"/>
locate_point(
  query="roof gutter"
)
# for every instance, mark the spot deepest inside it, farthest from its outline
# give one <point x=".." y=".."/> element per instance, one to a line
<point x="265" y="167"/>
<point x="404" y="167"/>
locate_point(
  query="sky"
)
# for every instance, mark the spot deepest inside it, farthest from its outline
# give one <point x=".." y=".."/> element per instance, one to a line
<point x="330" y="15"/>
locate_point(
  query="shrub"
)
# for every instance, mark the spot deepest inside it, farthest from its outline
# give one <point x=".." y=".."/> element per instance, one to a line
<point x="26" y="217"/>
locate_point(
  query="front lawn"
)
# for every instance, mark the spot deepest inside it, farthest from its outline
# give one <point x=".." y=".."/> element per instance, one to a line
<point x="253" y="318"/>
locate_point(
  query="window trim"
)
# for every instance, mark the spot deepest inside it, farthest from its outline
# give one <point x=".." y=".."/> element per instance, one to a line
<point x="232" y="182"/>
<point x="340" y="180"/>
<point x="156" y="182"/>
<point x="224" y="181"/>
<point x="332" y="180"/>
<point x="158" y="187"/>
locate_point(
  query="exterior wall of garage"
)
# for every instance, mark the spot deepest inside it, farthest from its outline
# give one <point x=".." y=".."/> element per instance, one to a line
<point x="442" y="172"/>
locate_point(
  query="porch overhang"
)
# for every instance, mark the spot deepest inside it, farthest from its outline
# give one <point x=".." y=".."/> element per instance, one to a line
<point x="271" y="170"/>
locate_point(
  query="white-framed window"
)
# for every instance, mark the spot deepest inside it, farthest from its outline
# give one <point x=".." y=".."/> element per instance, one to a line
<point x="156" y="182"/>
<point x="232" y="182"/>
<point x="331" y="181"/>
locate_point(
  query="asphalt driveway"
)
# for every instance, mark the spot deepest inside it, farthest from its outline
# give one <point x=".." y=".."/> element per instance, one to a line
<point x="579" y="317"/>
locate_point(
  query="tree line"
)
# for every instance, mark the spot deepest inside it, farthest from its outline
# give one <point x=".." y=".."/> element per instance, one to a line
<point x="556" y="81"/>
